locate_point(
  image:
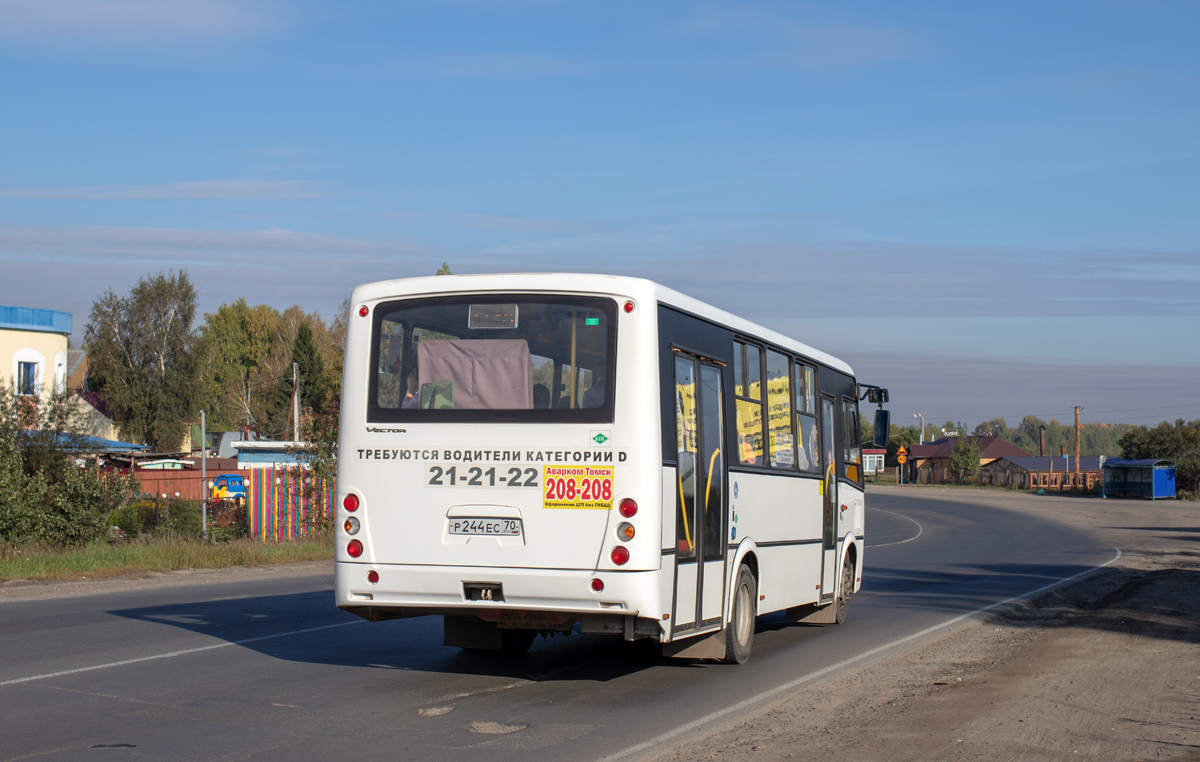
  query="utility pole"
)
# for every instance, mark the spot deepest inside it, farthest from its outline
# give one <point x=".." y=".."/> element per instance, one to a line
<point x="1077" y="409"/>
<point x="921" y="438"/>
<point x="296" y="401"/>
<point x="203" y="476"/>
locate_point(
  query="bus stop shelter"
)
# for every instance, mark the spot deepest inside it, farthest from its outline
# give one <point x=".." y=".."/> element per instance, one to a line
<point x="1149" y="478"/>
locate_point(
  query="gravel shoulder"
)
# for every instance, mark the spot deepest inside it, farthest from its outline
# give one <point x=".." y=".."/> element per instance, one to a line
<point x="1105" y="669"/>
<point x="29" y="590"/>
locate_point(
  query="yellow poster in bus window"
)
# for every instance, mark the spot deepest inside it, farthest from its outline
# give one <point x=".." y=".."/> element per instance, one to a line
<point x="577" y="487"/>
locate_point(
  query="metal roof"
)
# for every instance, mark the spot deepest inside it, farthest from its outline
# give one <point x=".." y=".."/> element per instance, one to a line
<point x="1144" y="463"/>
<point x="1038" y="463"/>
<point x="33" y="319"/>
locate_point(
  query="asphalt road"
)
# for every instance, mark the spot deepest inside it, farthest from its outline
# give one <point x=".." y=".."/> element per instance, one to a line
<point x="269" y="670"/>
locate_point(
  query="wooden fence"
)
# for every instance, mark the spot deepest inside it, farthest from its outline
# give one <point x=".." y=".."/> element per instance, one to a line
<point x="286" y="503"/>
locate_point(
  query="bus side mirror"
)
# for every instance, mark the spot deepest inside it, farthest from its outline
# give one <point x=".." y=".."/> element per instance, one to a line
<point x="883" y="422"/>
<point x="877" y="396"/>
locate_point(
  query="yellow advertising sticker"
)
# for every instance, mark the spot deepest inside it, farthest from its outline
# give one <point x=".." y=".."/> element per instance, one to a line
<point x="586" y="487"/>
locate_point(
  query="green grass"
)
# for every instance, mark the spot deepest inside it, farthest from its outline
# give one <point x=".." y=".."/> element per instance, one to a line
<point x="105" y="560"/>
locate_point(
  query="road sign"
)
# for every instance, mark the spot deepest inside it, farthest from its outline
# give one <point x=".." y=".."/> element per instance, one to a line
<point x="901" y="458"/>
<point x="902" y="452"/>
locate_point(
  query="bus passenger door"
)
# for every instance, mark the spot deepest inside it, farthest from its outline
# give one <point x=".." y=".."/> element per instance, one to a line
<point x="829" y="487"/>
<point x="700" y="502"/>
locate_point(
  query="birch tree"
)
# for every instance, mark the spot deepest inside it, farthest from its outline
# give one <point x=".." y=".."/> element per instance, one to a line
<point x="142" y="356"/>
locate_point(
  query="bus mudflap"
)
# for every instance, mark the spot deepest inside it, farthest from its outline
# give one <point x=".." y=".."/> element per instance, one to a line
<point x="811" y="613"/>
<point x="710" y="646"/>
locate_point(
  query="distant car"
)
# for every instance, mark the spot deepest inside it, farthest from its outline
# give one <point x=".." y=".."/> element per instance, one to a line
<point x="228" y="487"/>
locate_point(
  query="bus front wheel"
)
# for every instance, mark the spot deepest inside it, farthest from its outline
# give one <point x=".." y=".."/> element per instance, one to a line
<point x="739" y="635"/>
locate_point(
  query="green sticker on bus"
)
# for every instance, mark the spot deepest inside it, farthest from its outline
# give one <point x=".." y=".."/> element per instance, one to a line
<point x="592" y="321"/>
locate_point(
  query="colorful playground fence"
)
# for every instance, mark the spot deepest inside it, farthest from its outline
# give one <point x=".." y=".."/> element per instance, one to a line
<point x="286" y="503"/>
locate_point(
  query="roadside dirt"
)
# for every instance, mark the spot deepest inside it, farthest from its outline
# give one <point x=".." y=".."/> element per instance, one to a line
<point x="1106" y="669"/>
<point x="29" y="589"/>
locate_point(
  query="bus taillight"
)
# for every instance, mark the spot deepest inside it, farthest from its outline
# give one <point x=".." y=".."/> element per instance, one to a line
<point x="620" y="555"/>
<point x="350" y="502"/>
<point x="355" y="549"/>
<point x="627" y="507"/>
<point x="372" y="576"/>
<point x="598" y="585"/>
<point x="625" y="531"/>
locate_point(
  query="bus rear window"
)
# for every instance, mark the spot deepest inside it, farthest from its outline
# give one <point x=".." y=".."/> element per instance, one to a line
<point x="494" y="358"/>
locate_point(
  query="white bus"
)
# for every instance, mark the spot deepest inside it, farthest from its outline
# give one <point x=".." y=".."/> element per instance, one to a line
<point x="525" y="454"/>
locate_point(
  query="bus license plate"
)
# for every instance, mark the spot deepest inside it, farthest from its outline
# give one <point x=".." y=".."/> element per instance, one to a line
<point x="486" y="527"/>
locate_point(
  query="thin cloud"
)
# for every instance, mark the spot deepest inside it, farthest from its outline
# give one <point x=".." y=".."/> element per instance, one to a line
<point x="493" y="222"/>
<point x="157" y="21"/>
<point x="488" y="66"/>
<point x="882" y="279"/>
<point x="167" y="247"/>
<point x="976" y="389"/>
<point x="790" y="42"/>
<point x="199" y="189"/>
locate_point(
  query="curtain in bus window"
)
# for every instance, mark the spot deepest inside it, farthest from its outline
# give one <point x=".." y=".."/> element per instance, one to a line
<point x="714" y="481"/>
<point x="779" y="411"/>
<point x="475" y="374"/>
<point x="685" y="468"/>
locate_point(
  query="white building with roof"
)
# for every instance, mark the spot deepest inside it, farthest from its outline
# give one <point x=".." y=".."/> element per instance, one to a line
<point x="33" y="350"/>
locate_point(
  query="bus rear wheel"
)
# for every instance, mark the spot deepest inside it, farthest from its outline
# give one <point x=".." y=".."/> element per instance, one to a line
<point x="739" y="635"/>
<point x="844" y="591"/>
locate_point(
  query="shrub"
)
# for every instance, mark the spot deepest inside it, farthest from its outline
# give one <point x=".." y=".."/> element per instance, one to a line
<point x="45" y="497"/>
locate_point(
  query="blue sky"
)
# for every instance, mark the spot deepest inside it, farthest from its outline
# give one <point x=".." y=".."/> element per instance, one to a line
<point x="993" y="210"/>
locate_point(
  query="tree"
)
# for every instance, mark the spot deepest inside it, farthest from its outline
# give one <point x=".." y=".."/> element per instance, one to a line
<point x="302" y="339"/>
<point x="237" y="340"/>
<point x="312" y="370"/>
<point x="965" y="456"/>
<point x="993" y="428"/>
<point x="142" y="355"/>
<point x="337" y="355"/>
<point x="1179" y="443"/>
<point x="444" y="269"/>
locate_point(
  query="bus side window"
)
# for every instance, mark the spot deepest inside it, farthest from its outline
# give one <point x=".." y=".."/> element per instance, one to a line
<point x="748" y="395"/>
<point x="851" y="448"/>
<point x="808" y="447"/>
<point x="779" y="411"/>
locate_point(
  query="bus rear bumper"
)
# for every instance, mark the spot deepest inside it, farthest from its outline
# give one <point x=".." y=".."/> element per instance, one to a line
<point x="409" y="590"/>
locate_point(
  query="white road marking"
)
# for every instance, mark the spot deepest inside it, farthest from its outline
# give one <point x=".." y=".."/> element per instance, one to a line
<point x="799" y="681"/>
<point x="173" y="654"/>
<point x="920" y="529"/>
